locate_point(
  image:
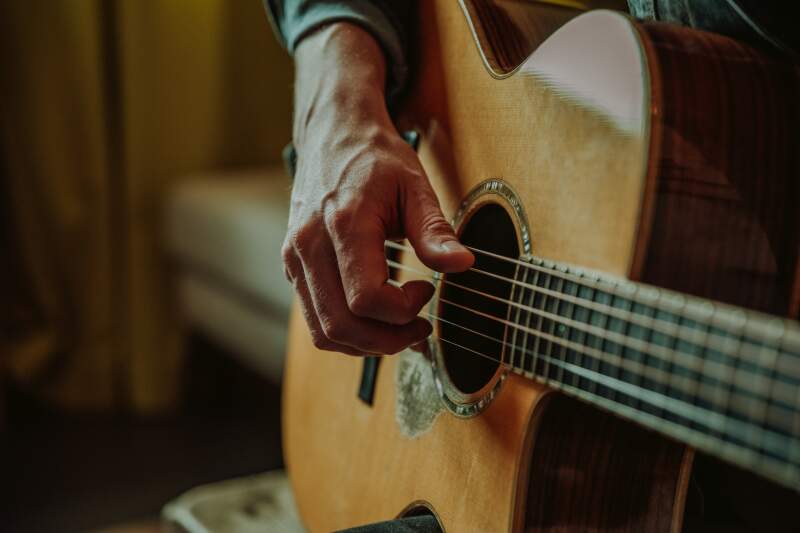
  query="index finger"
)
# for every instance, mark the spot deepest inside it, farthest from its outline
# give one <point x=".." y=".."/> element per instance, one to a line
<point x="360" y="254"/>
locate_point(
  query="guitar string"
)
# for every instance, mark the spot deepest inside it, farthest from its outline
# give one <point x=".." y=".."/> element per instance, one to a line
<point x="722" y="372"/>
<point x="691" y="436"/>
<point x="747" y="347"/>
<point x="647" y="347"/>
<point x="603" y="356"/>
<point x="687" y="385"/>
<point x="559" y="342"/>
<point x="659" y="324"/>
<point x="777" y="443"/>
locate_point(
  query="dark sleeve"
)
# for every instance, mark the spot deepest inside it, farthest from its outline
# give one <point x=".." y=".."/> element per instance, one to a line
<point x="755" y="21"/>
<point x="387" y="20"/>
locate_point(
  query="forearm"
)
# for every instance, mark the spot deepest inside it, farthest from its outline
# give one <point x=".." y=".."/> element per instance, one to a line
<point x="387" y="21"/>
<point x="340" y="82"/>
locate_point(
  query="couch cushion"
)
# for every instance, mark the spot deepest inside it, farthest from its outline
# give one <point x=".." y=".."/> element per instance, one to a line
<point x="260" y="503"/>
<point x="254" y="336"/>
<point x="229" y="227"/>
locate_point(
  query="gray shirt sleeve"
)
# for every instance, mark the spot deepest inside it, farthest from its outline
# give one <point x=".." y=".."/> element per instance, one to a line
<point x="389" y="21"/>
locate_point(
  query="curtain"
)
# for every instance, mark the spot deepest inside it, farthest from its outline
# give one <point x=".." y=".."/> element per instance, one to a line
<point x="105" y="103"/>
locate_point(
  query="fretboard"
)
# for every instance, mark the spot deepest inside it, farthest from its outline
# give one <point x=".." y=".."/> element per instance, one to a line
<point x="719" y="378"/>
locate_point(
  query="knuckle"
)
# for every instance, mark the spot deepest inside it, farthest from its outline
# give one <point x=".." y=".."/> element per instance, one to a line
<point x="321" y="342"/>
<point x="304" y="236"/>
<point x="361" y="302"/>
<point x="291" y="267"/>
<point x="287" y="254"/>
<point x="335" y="331"/>
<point x="341" y="221"/>
<point x="434" y="223"/>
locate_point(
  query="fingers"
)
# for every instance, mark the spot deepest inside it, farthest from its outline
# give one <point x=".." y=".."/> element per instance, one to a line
<point x="428" y="231"/>
<point x="294" y="272"/>
<point x="359" y="245"/>
<point x="332" y="323"/>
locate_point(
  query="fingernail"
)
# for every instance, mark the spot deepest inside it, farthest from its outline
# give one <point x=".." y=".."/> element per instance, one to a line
<point x="452" y="246"/>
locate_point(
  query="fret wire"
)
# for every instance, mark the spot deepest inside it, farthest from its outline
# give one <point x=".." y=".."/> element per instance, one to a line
<point x="532" y="300"/>
<point x="548" y="346"/>
<point x="569" y="334"/>
<point x="537" y="339"/>
<point x="606" y="345"/>
<point x="582" y="279"/>
<point x="620" y="354"/>
<point x="673" y="347"/>
<point x="719" y="367"/>
<point x="638" y="370"/>
<point x="765" y="406"/>
<point x="668" y="341"/>
<point x="594" y="363"/>
<point x="648" y="339"/>
<point x="720" y="390"/>
<point x="562" y="309"/>
<point x="795" y="455"/>
<point x="512" y="351"/>
<point x="703" y="360"/>
<point x="733" y="371"/>
<point x="527" y="296"/>
<point x="580" y="335"/>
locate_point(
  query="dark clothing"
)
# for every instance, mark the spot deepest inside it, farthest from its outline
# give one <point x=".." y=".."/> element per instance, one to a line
<point x="415" y="524"/>
<point x="761" y="22"/>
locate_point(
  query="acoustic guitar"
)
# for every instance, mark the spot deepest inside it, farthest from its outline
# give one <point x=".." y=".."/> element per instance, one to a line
<point x="624" y="354"/>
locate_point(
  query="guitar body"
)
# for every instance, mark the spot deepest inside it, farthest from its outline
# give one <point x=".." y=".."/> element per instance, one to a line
<point x="630" y="150"/>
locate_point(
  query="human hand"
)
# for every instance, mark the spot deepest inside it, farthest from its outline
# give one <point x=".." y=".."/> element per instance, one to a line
<point x="357" y="183"/>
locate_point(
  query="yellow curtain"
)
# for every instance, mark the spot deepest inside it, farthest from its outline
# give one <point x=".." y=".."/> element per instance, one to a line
<point x="104" y="104"/>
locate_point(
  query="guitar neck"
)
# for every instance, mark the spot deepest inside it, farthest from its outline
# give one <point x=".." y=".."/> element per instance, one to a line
<point x="719" y="378"/>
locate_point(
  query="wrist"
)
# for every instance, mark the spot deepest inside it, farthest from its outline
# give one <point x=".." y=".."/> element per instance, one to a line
<point x="340" y="77"/>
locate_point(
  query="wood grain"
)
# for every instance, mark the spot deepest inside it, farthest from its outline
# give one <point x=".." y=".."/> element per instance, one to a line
<point x="625" y="481"/>
<point x="725" y="222"/>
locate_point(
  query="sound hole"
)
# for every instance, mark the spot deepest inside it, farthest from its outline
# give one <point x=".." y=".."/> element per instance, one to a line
<point x="490" y="228"/>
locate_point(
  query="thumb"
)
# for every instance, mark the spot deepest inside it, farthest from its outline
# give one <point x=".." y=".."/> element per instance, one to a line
<point x="429" y="232"/>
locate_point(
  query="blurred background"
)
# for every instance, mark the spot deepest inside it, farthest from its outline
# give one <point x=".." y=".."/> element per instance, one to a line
<point x="142" y="205"/>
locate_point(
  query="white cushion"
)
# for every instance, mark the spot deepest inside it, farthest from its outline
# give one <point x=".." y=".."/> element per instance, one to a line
<point x="256" y="337"/>
<point x="255" y="504"/>
<point x="229" y="228"/>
